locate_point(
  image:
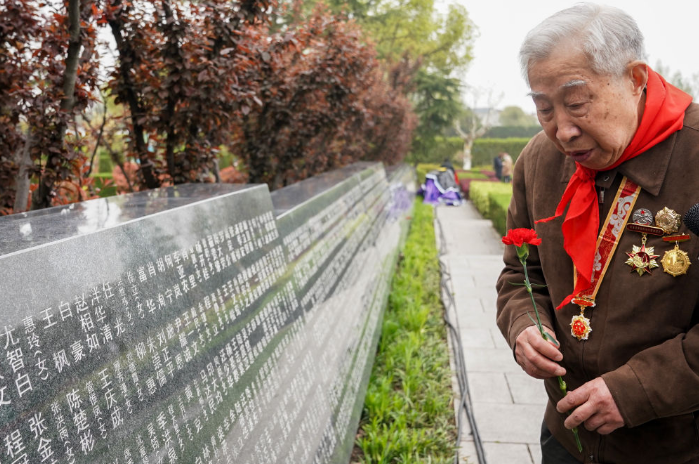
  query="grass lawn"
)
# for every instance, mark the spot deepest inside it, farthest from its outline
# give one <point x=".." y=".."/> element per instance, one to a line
<point x="408" y="414"/>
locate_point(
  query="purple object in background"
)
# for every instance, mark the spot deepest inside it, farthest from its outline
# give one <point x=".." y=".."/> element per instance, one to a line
<point x="440" y="188"/>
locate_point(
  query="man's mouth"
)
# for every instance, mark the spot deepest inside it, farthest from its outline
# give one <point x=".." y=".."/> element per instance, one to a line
<point x="579" y="156"/>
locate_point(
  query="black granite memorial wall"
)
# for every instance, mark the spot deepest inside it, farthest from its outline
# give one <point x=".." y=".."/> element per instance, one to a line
<point x="198" y="323"/>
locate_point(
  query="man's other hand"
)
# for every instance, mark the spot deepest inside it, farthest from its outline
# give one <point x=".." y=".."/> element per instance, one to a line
<point x="594" y="406"/>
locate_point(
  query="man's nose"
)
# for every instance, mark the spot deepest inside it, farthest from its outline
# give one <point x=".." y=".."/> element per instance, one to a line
<point x="566" y="130"/>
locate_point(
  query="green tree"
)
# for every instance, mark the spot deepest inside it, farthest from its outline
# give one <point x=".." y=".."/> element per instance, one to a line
<point x="438" y="45"/>
<point x="415" y="29"/>
<point x="515" y="116"/>
<point x="437" y="105"/>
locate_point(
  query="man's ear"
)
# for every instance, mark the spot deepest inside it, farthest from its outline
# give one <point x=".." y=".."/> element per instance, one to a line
<point x="638" y="72"/>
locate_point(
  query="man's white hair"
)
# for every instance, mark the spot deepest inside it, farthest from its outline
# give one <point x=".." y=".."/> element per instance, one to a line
<point x="608" y="37"/>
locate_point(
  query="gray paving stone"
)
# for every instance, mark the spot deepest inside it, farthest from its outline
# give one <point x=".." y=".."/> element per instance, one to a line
<point x="486" y="293"/>
<point x="535" y="451"/>
<point x="508" y="423"/>
<point x="486" y="280"/>
<point x="499" y="340"/>
<point x="477" y="338"/>
<point x="468" y="453"/>
<point x="489" y="387"/>
<point x="507" y="453"/>
<point x="490" y="360"/>
<point x="474" y="318"/>
<point x="466" y="302"/>
<point x="526" y="389"/>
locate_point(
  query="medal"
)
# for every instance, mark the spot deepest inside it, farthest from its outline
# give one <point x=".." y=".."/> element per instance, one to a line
<point x="676" y="262"/>
<point x="580" y="325"/>
<point x="668" y="220"/>
<point x="643" y="216"/>
<point x="642" y="259"/>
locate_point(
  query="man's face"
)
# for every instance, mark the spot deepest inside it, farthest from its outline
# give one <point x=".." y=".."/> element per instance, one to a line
<point x="590" y="117"/>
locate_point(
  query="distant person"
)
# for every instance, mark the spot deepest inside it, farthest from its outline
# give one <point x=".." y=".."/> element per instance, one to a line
<point x="497" y="166"/>
<point x="448" y="165"/>
<point x="507" y="168"/>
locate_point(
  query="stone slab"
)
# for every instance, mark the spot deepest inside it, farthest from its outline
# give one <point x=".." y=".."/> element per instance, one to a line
<point x="197" y="323"/>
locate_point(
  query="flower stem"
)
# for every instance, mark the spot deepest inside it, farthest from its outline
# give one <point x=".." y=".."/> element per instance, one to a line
<point x="564" y="389"/>
<point x="531" y="295"/>
<point x="561" y="383"/>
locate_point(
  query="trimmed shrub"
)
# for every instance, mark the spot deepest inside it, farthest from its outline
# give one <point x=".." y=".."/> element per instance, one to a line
<point x="484" y="150"/>
<point x="484" y="194"/>
<point x="505" y="132"/>
<point x="498" y="203"/>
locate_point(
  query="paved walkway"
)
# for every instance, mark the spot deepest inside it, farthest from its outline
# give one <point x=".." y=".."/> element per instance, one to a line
<point x="508" y="405"/>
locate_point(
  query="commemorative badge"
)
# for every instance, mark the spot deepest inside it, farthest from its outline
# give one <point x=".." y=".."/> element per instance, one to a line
<point x="668" y="220"/>
<point x="643" y="216"/>
<point x="676" y="262"/>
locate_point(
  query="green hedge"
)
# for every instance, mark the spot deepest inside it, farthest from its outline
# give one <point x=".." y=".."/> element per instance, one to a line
<point x="492" y="199"/>
<point x="423" y="168"/>
<point x="484" y="150"/>
<point x="499" y="202"/>
<point x="504" y="132"/>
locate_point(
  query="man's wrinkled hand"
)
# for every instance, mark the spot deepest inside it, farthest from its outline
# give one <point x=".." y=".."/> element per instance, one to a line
<point x="538" y="357"/>
<point x="593" y="405"/>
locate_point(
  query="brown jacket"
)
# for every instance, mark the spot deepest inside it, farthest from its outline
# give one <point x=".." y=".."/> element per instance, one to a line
<point x="644" y="340"/>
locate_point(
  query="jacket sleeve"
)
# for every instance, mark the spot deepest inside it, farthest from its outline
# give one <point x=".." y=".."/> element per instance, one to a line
<point x="513" y="302"/>
<point x="660" y="381"/>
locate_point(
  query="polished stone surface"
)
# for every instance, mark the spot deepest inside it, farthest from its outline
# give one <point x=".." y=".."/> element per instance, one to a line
<point x="197" y="324"/>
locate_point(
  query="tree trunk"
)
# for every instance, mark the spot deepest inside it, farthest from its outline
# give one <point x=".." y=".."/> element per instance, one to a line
<point x="128" y="94"/>
<point x="24" y="161"/>
<point x="42" y="195"/>
<point x="467" y="156"/>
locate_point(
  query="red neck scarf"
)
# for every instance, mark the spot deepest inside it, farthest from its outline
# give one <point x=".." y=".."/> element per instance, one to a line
<point x="663" y="115"/>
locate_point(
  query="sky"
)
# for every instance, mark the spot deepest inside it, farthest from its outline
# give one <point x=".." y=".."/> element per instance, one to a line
<point x="670" y="36"/>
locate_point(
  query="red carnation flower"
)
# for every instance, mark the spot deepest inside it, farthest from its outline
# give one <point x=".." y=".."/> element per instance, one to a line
<point x="517" y="237"/>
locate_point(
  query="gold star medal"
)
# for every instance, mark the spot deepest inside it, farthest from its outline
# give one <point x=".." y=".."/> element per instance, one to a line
<point x="642" y="259"/>
<point x="676" y="262"/>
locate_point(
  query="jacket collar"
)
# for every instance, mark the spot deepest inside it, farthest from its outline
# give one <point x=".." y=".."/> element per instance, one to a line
<point x="647" y="169"/>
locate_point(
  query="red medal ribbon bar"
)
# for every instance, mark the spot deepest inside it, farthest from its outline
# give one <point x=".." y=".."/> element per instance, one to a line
<point x="645" y="229"/>
<point x="586" y="302"/>
<point x="676" y="238"/>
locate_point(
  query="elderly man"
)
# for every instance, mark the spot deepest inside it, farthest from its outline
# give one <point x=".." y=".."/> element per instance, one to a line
<point x="605" y="186"/>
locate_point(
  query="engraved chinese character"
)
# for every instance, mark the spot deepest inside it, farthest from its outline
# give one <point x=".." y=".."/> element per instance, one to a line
<point x="36" y="424"/>
<point x="60" y="359"/>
